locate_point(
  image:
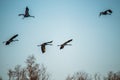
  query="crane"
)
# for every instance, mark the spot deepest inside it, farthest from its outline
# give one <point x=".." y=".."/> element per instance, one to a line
<point x="65" y="43"/>
<point x="11" y="40"/>
<point x="43" y="48"/>
<point x="26" y="13"/>
<point x="106" y="12"/>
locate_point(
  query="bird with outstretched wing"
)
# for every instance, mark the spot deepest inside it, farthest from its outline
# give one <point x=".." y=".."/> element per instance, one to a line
<point x="65" y="43"/>
<point x="43" y="46"/>
<point x="106" y="12"/>
<point x="26" y="14"/>
<point x="11" y="40"/>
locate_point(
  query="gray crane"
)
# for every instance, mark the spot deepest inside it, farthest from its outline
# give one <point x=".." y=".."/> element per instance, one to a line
<point x="11" y="40"/>
<point x="106" y="12"/>
<point x="26" y="13"/>
<point x="43" y="48"/>
<point x="65" y="43"/>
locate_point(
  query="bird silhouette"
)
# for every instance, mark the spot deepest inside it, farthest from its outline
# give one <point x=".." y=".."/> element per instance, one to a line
<point x="43" y="48"/>
<point x="106" y="12"/>
<point x="65" y="43"/>
<point x="26" y="13"/>
<point x="11" y="40"/>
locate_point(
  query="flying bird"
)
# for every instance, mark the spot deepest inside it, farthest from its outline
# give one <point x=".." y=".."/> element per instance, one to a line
<point x="11" y="40"/>
<point x="65" y="43"/>
<point x="26" y="14"/>
<point x="43" y="48"/>
<point x="106" y="12"/>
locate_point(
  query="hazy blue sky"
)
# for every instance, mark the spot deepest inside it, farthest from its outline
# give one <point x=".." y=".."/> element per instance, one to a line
<point x="96" y="40"/>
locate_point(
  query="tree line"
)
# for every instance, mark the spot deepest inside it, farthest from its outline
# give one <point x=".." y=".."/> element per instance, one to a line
<point x="34" y="71"/>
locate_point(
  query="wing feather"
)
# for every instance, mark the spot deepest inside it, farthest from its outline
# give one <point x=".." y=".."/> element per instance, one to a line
<point x="49" y="42"/>
<point x="13" y="37"/>
<point x="68" y="41"/>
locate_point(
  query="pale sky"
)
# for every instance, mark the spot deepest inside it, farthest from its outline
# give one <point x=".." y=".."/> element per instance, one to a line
<point x="96" y="40"/>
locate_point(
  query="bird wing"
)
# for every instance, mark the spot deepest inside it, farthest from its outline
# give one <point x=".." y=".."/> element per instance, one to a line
<point x="43" y="48"/>
<point x="68" y="41"/>
<point x="13" y="37"/>
<point x="49" y="42"/>
<point x="109" y="10"/>
<point x="20" y="14"/>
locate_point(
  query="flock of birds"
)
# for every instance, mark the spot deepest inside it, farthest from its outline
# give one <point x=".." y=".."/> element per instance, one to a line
<point x="43" y="48"/>
<point x="26" y="14"/>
